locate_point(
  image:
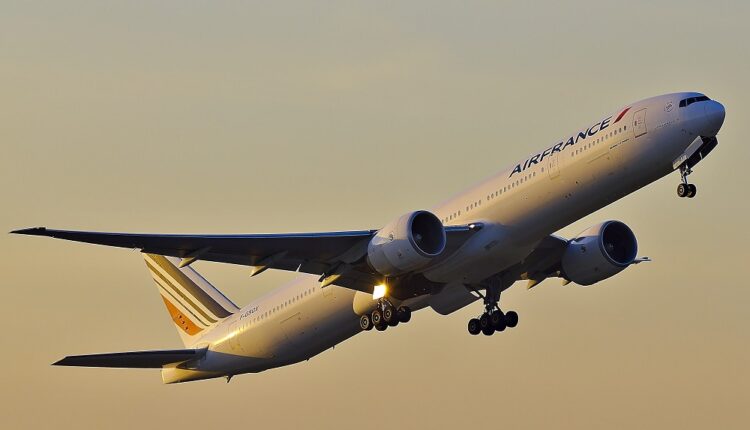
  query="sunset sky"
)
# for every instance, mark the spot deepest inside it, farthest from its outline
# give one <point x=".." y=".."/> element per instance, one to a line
<point x="239" y="117"/>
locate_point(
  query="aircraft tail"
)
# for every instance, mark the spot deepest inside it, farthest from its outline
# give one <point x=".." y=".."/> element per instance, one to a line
<point x="193" y="303"/>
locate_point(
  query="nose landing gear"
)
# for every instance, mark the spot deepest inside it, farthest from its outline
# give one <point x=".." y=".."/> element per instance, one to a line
<point x="686" y="189"/>
<point x="385" y="315"/>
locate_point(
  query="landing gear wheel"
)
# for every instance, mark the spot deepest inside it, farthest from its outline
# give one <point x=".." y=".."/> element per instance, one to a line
<point x="389" y="315"/>
<point x="404" y="314"/>
<point x="381" y="327"/>
<point x="683" y="190"/>
<point x="377" y="318"/>
<point x="511" y="319"/>
<point x="692" y="190"/>
<point x="484" y="322"/>
<point x="497" y="321"/>
<point x="474" y="328"/>
<point x="493" y="319"/>
<point x="365" y="322"/>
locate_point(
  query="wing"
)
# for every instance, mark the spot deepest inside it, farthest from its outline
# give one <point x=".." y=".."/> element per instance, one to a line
<point x="137" y="359"/>
<point x="543" y="262"/>
<point x="244" y="249"/>
<point x="337" y="256"/>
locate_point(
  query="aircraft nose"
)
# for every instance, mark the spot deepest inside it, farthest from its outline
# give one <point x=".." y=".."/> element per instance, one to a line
<point x="714" y="117"/>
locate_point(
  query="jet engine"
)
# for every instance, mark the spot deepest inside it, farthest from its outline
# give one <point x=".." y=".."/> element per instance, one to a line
<point x="599" y="252"/>
<point x="406" y="244"/>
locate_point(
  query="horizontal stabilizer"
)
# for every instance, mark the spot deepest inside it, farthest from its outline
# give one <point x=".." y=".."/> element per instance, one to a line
<point x="137" y="359"/>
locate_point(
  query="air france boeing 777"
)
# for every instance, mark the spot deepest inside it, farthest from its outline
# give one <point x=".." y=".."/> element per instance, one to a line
<point x="473" y="246"/>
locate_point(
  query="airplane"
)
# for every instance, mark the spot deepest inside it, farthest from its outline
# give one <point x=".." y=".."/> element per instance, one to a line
<point x="473" y="246"/>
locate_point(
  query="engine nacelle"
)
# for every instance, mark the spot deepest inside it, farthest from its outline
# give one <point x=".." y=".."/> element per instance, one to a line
<point x="599" y="252"/>
<point x="406" y="244"/>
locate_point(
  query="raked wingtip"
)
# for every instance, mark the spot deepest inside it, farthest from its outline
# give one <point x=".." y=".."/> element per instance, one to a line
<point x="33" y="231"/>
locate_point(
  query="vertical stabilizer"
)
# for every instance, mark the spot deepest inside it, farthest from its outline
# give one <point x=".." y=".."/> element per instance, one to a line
<point x="193" y="303"/>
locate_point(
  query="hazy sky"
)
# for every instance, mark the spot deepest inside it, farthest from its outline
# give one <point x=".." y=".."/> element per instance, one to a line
<point x="203" y="117"/>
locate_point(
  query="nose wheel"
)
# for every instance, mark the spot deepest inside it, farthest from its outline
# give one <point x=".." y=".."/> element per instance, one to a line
<point x="385" y="315"/>
<point x="686" y="189"/>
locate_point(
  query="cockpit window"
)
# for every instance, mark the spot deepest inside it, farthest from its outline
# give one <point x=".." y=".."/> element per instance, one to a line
<point x="691" y="100"/>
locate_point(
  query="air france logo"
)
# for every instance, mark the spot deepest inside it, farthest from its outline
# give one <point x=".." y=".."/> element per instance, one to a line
<point x="591" y="131"/>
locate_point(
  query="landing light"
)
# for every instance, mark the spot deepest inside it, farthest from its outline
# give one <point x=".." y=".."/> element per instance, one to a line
<point x="378" y="292"/>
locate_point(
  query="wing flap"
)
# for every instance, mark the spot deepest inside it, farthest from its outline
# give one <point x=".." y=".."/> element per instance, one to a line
<point x="136" y="359"/>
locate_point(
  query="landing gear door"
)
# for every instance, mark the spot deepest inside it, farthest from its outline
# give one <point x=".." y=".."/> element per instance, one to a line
<point x="639" y="123"/>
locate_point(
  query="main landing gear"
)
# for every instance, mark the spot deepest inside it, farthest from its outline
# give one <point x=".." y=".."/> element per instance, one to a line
<point x="686" y="189"/>
<point x="385" y="315"/>
<point x="493" y="319"/>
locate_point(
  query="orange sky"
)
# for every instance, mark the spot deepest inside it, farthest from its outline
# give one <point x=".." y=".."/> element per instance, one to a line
<point x="219" y="117"/>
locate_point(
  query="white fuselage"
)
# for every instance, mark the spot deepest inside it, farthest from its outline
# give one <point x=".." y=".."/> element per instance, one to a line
<point x="584" y="171"/>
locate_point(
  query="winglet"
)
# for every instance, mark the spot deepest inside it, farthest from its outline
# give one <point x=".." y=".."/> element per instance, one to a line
<point x="33" y="231"/>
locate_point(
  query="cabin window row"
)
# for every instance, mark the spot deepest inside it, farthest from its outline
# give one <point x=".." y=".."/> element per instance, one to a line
<point x="452" y="216"/>
<point x="474" y="205"/>
<point x="495" y="194"/>
<point x="283" y="305"/>
<point x="598" y="141"/>
<point x="500" y="191"/>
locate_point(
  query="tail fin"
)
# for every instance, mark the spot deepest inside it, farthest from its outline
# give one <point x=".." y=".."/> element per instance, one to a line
<point x="193" y="303"/>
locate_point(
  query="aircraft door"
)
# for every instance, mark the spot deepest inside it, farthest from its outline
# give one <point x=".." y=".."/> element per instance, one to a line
<point x="553" y="165"/>
<point x="639" y="123"/>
